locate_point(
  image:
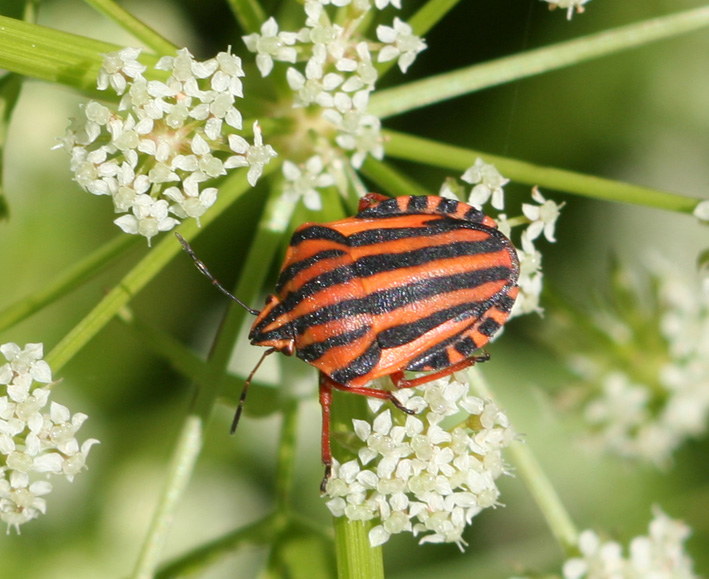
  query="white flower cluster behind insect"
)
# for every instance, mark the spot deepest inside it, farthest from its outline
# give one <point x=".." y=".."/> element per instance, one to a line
<point x="540" y="217"/>
<point x="659" y="555"/>
<point x="33" y="444"/>
<point x="338" y="76"/>
<point x="649" y="419"/>
<point x="153" y="154"/>
<point x="417" y="473"/>
<point x="570" y="5"/>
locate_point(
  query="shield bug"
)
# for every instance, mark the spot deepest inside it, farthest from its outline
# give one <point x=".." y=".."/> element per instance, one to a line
<point x="417" y="283"/>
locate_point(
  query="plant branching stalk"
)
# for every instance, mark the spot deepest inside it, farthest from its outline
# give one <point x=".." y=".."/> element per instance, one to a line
<point x="536" y="480"/>
<point x="261" y="252"/>
<point x="179" y="473"/>
<point x="410" y="148"/>
<point x="356" y="559"/>
<point x="73" y="277"/>
<point x="131" y="24"/>
<point x="436" y="89"/>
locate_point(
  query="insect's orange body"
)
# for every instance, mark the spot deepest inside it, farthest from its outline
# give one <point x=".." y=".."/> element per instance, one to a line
<point x="408" y="284"/>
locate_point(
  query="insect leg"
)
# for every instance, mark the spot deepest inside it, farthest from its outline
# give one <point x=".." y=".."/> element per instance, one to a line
<point x="242" y="398"/>
<point x="325" y="403"/>
<point x="401" y="382"/>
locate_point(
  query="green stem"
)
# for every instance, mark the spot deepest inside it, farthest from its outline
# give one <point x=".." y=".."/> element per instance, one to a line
<point x="141" y="274"/>
<point x="356" y="559"/>
<point x="179" y="472"/>
<point x="435" y="89"/>
<point x="390" y="179"/>
<point x="273" y="223"/>
<point x="286" y="456"/>
<point x="131" y="24"/>
<point x="535" y="478"/>
<point x="68" y="280"/>
<point x="250" y="281"/>
<point x="262" y="532"/>
<point x="249" y="13"/>
<point x="54" y="56"/>
<point x="410" y="148"/>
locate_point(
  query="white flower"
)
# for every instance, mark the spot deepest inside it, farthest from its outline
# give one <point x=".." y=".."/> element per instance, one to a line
<point x="165" y="137"/>
<point x="530" y="278"/>
<point x="33" y="442"/>
<point x="570" y="5"/>
<point x="659" y="555"/>
<point x="543" y="216"/>
<point x="148" y="219"/>
<point x="401" y="43"/>
<point x="270" y="45"/>
<point x="117" y="66"/>
<point x="701" y="211"/>
<point x="255" y="156"/>
<point x="412" y="475"/>
<point x="304" y="182"/>
<point x="488" y="183"/>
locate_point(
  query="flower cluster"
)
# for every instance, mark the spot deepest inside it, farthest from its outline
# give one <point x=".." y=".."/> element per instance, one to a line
<point x="166" y="139"/>
<point x="645" y="378"/>
<point x="540" y="216"/>
<point x="414" y="474"/>
<point x="33" y="442"/>
<point x="659" y="555"/>
<point x="570" y="5"/>
<point x="335" y="83"/>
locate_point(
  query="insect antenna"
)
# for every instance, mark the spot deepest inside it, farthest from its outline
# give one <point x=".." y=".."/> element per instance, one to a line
<point x="242" y="398"/>
<point x="205" y="272"/>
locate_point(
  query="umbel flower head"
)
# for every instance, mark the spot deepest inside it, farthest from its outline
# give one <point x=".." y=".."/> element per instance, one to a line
<point x="154" y="154"/>
<point x="658" y="555"/>
<point x="418" y="473"/>
<point x="332" y="74"/>
<point x="34" y="443"/>
<point x="645" y="371"/>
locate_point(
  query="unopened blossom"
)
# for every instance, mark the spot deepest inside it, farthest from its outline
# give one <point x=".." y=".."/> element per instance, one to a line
<point x="414" y="475"/>
<point x="154" y="154"/>
<point x="570" y="5"/>
<point x="488" y="183"/>
<point x="34" y="443"/>
<point x="658" y="555"/>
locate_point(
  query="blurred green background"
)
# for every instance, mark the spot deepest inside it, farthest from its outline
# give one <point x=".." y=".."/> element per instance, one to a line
<point x="641" y="116"/>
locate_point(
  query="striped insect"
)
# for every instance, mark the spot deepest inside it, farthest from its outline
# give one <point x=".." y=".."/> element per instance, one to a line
<point x="416" y="283"/>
